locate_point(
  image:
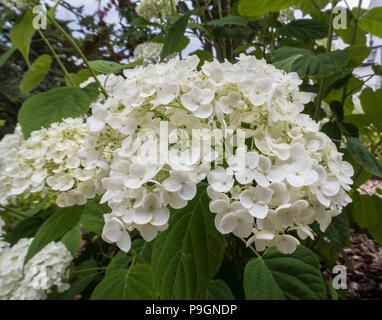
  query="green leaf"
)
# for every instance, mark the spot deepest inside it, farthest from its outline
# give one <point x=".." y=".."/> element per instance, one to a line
<point x="339" y="230"/>
<point x="372" y="22"/>
<point x="79" y="77"/>
<point x="357" y="55"/>
<point x="306" y="29"/>
<point x="22" y="33"/>
<point x="189" y="253"/>
<point x="276" y="276"/>
<point x="6" y="55"/>
<point x="92" y="219"/>
<point x="143" y="249"/>
<point x="174" y="36"/>
<point x="371" y="102"/>
<point x="363" y="176"/>
<point x="36" y="73"/>
<point x="203" y="56"/>
<point x="120" y="261"/>
<point x="256" y="7"/>
<point x="55" y="105"/>
<point x="131" y="284"/>
<point x="54" y="228"/>
<point x="325" y="249"/>
<point x="26" y="228"/>
<point x="72" y="240"/>
<point x="304" y="62"/>
<point x="366" y="211"/>
<point x="104" y="66"/>
<point x="235" y="20"/>
<point x="377" y="69"/>
<point x="364" y="157"/>
<point x="310" y="6"/>
<point x="219" y="290"/>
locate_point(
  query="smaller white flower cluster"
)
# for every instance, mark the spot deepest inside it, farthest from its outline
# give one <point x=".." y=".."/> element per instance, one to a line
<point x="47" y="162"/>
<point x="9" y="146"/>
<point x="286" y="15"/>
<point x="153" y="10"/>
<point x="47" y="269"/>
<point x="149" y="52"/>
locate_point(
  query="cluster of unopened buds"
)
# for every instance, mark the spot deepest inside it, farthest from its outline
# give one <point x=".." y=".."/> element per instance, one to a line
<point x="165" y="128"/>
<point x="156" y="10"/>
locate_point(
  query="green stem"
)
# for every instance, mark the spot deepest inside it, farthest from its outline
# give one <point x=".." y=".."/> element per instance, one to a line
<point x="250" y="247"/>
<point x="136" y="256"/>
<point x="56" y="57"/>
<point x="88" y="270"/>
<point x="317" y="110"/>
<point x="224" y="44"/>
<point x="81" y="54"/>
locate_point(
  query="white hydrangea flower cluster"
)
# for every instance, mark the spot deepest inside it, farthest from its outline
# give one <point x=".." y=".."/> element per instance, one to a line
<point x="154" y="10"/>
<point x="48" y="268"/>
<point x="286" y="15"/>
<point x="293" y="174"/>
<point x="9" y="146"/>
<point x="47" y="162"/>
<point x="149" y="52"/>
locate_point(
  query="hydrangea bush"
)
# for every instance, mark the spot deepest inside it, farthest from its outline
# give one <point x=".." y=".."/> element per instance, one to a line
<point x="169" y="166"/>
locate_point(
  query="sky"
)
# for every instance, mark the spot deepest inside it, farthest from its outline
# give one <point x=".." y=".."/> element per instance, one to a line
<point x="90" y="6"/>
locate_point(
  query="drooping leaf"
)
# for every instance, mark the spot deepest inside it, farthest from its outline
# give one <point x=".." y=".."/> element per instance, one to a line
<point x="306" y="29"/>
<point x="186" y="257"/>
<point x="104" y="66"/>
<point x="6" y="55"/>
<point x="276" y="276"/>
<point x="364" y="157"/>
<point x="257" y="7"/>
<point x="36" y="73"/>
<point x="54" y="228"/>
<point x="371" y="102"/>
<point x="372" y="22"/>
<point x="219" y="290"/>
<point x="339" y="230"/>
<point x="72" y="240"/>
<point x="22" y="33"/>
<point x="26" y="228"/>
<point x="174" y="36"/>
<point x="304" y="62"/>
<point x="127" y="284"/>
<point x="44" y="108"/>
<point x="366" y="211"/>
<point x="235" y="20"/>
